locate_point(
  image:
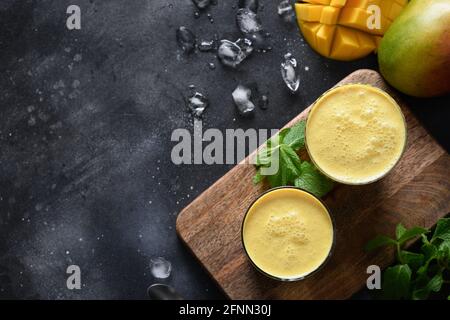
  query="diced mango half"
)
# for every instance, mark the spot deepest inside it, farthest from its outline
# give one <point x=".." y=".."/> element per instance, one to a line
<point x="346" y="29"/>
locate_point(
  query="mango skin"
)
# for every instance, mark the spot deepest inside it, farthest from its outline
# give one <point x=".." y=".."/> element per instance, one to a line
<point x="414" y="55"/>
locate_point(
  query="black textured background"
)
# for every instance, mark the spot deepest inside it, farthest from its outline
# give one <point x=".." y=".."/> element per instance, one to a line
<point x="85" y="124"/>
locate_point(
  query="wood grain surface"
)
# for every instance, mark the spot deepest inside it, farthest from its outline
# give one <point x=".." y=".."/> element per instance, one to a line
<point x="416" y="192"/>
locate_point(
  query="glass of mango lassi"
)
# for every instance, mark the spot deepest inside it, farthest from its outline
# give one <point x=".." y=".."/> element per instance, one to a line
<point x="355" y="134"/>
<point x="288" y="233"/>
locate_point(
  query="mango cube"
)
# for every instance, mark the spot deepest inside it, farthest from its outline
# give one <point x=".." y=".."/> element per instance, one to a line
<point x="329" y="15"/>
<point x="309" y="30"/>
<point x="309" y="12"/>
<point x="324" y="38"/>
<point x="357" y="3"/>
<point x="345" y="44"/>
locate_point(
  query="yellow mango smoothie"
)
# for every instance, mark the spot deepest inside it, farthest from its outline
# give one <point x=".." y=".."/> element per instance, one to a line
<point x="355" y="134"/>
<point x="287" y="233"/>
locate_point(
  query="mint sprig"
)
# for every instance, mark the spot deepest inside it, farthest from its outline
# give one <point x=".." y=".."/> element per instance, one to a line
<point x="292" y="171"/>
<point x="311" y="179"/>
<point x="416" y="275"/>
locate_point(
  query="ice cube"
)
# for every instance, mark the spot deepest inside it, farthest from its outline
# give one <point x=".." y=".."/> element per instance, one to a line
<point x="241" y="97"/>
<point x="186" y="39"/>
<point x="286" y="11"/>
<point x="231" y="54"/>
<point x="202" y="4"/>
<point x="160" y="268"/>
<point x="289" y="73"/>
<point x="206" y="45"/>
<point x="197" y="103"/>
<point x="249" y="4"/>
<point x="247" y="21"/>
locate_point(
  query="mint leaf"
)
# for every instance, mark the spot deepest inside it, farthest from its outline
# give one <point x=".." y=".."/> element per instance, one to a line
<point x="411" y="233"/>
<point x="379" y="241"/>
<point x="442" y="229"/>
<point x="295" y="138"/>
<point x="430" y="251"/>
<point x="396" y="282"/>
<point x="424" y="239"/>
<point x="289" y="164"/>
<point x="278" y="139"/>
<point x="414" y="260"/>
<point x="274" y="180"/>
<point x="264" y="157"/>
<point x="422" y="271"/>
<point x="271" y="152"/>
<point x="310" y="179"/>
<point x="288" y="169"/>
<point x="291" y="170"/>
<point x="420" y="294"/>
<point x="444" y="250"/>
<point x="290" y="158"/>
<point x="434" y="285"/>
<point x="399" y="231"/>
<point x="257" y="178"/>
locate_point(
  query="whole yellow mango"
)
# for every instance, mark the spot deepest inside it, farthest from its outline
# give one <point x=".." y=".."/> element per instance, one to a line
<point x="414" y="55"/>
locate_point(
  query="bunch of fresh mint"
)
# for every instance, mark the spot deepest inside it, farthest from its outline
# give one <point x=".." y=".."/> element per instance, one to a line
<point x="417" y="274"/>
<point x="291" y="169"/>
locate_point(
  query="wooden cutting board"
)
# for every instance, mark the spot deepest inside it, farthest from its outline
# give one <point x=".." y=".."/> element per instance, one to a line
<point x="416" y="192"/>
